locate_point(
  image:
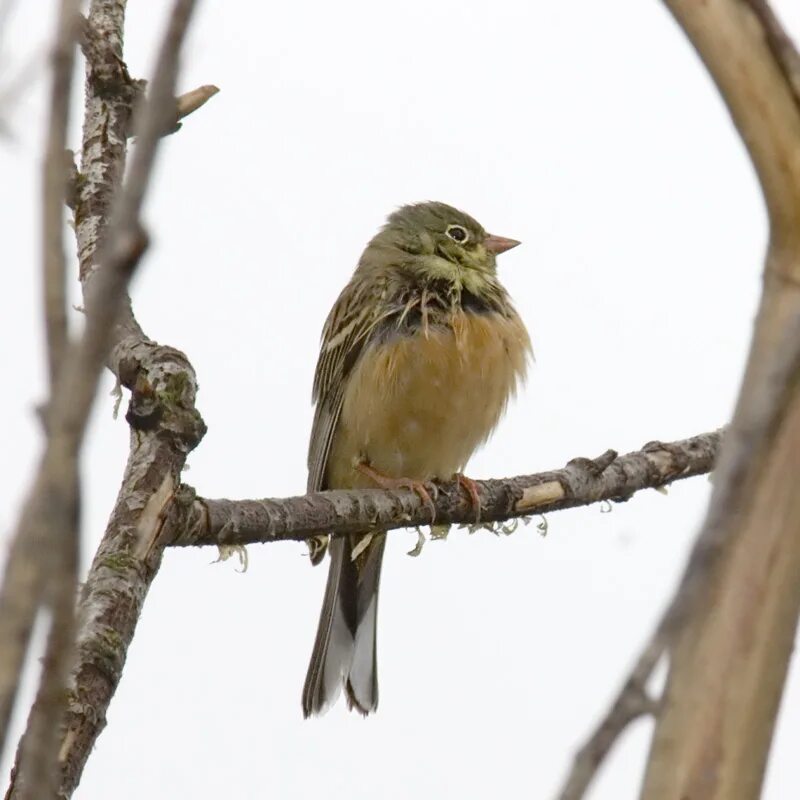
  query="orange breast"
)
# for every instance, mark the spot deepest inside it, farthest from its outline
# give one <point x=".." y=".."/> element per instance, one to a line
<point x="418" y="406"/>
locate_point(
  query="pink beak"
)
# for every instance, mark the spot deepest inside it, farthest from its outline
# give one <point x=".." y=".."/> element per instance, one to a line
<point x="499" y="244"/>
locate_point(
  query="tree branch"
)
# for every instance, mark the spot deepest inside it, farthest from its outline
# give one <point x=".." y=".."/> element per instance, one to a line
<point x="780" y="43"/>
<point x="111" y="242"/>
<point x="189" y="102"/>
<point x="45" y="559"/>
<point x="58" y="560"/>
<point x="632" y="702"/>
<point x="761" y="103"/>
<point x="191" y="521"/>
<point x="735" y="611"/>
<point x="53" y="187"/>
<point x="165" y="425"/>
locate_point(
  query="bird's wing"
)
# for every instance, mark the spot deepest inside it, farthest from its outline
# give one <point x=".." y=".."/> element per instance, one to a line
<point x="352" y="320"/>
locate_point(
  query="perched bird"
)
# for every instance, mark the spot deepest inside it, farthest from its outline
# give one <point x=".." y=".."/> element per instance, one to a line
<point x="419" y="356"/>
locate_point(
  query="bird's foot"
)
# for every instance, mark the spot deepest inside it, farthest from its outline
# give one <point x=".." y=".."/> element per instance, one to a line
<point x="471" y="488"/>
<point x="422" y="489"/>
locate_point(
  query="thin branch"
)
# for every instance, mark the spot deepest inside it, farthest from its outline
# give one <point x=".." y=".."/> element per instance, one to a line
<point x="161" y="379"/>
<point x="726" y="598"/>
<point x="736" y="607"/>
<point x="34" y="563"/>
<point x="36" y="773"/>
<point x="761" y="103"/>
<point x="53" y="185"/>
<point x="191" y="521"/>
<point x="156" y="115"/>
<point x="20" y="598"/>
<point x="710" y="547"/>
<point x="154" y="511"/>
<point x="632" y="702"/>
<point x="189" y="102"/>
<point x="48" y="508"/>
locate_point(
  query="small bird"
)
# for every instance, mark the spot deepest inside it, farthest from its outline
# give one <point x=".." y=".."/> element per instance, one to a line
<point x="419" y="357"/>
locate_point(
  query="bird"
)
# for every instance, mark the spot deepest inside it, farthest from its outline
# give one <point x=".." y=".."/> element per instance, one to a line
<point x="419" y="357"/>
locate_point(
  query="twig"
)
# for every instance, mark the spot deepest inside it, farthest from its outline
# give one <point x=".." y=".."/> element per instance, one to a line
<point x="195" y="521"/>
<point x="156" y="115"/>
<point x="38" y="761"/>
<point x="735" y="610"/>
<point x="632" y="702"/>
<point x="53" y="186"/>
<point x="189" y="102"/>
<point x="709" y="548"/>
<point x="161" y="379"/>
<point x="34" y="560"/>
<point x="35" y="775"/>
<point x="48" y="506"/>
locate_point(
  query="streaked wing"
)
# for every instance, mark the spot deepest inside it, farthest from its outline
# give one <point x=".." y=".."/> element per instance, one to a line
<point x="359" y="308"/>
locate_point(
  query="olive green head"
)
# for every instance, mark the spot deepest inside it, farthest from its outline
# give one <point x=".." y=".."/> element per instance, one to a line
<point x="438" y="242"/>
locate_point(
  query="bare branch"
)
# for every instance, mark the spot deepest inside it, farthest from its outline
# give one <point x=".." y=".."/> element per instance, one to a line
<point x="20" y="597"/>
<point x="709" y="549"/>
<point x="36" y="774"/>
<point x="736" y="608"/>
<point x="761" y="103"/>
<point x="740" y="585"/>
<point x="632" y="702"/>
<point x="50" y="510"/>
<point x="193" y="522"/>
<point x="53" y="185"/>
<point x="152" y="510"/>
<point x="160" y="378"/>
<point x="780" y="43"/>
<point x="189" y="102"/>
<point x="34" y="563"/>
<point x="38" y="760"/>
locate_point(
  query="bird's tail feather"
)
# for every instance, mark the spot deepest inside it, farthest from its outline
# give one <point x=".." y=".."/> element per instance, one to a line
<point x="345" y="647"/>
<point x="361" y="686"/>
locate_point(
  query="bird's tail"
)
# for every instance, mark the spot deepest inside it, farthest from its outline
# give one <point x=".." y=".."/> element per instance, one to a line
<point x="345" y="647"/>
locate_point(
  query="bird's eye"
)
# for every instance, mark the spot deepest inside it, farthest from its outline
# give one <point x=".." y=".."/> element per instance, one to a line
<point x="457" y="233"/>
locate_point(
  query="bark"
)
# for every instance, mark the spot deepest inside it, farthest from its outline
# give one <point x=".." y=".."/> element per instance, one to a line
<point x="165" y="425"/>
<point x="730" y="627"/>
<point x="196" y="521"/>
<point x="737" y="608"/>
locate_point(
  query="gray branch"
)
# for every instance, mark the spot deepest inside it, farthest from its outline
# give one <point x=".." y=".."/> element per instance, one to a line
<point x="59" y="559"/>
<point x="190" y="521"/>
<point x="751" y="518"/>
<point x="110" y="243"/>
<point x="43" y="555"/>
<point x="632" y="702"/>
<point x="165" y="425"/>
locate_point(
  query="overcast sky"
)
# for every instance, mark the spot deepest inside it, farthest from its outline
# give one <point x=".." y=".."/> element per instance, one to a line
<point x="588" y="130"/>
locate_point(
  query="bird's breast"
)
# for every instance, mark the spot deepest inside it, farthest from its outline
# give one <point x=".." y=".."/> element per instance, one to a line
<point x="418" y="405"/>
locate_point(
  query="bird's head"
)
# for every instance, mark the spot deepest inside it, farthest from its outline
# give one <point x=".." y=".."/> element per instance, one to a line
<point x="438" y="242"/>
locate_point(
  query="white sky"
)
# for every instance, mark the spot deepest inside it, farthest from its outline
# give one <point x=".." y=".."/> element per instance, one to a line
<point x="589" y="131"/>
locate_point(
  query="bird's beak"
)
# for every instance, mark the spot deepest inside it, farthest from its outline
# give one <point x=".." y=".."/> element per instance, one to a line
<point x="499" y="244"/>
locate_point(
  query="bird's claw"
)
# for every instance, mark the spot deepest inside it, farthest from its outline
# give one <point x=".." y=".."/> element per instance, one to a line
<point x="471" y="488"/>
<point x="423" y="489"/>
